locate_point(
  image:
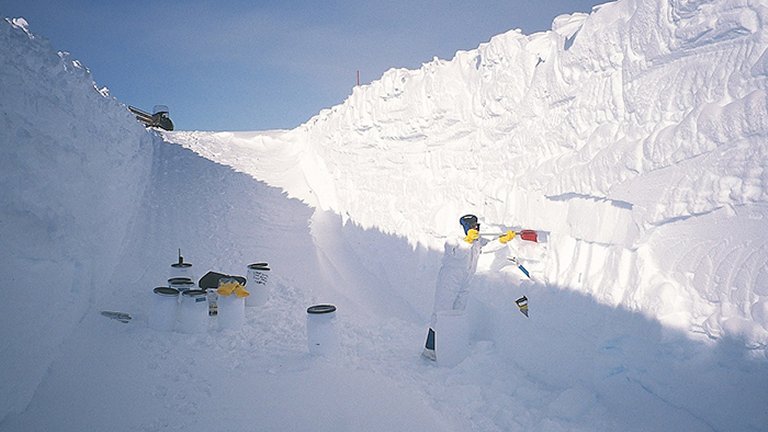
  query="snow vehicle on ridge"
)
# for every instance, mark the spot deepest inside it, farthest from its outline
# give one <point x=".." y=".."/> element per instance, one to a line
<point x="159" y="119"/>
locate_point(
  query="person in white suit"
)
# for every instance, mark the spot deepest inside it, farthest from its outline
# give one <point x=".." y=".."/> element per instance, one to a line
<point x="458" y="266"/>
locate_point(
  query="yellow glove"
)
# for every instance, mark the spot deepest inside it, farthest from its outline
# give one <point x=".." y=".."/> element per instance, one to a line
<point x="507" y="237"/>
<point x="472" y="235"/>
<point x="227" y="288"/>
<point x="241" y="292"/>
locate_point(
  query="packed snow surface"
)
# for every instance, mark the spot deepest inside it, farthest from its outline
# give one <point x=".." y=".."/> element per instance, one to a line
<point x="633" y="139"/>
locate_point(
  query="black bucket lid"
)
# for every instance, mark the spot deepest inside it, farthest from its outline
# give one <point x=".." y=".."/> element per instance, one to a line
<point x="321" y="309"/>
<point x="165" y="291"/>
<point x="174" y="280"/>
<point x="181" y="265"/>
<point x="194" y="293"/>
<point x="258" y="269"/>
<point x="257" y="266"/>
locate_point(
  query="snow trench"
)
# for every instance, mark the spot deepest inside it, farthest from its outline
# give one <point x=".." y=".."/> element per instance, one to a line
<point x="637" y="154"/>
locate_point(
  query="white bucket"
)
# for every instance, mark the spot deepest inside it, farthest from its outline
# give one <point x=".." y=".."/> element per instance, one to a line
<point x="451" y="337"/>
<point x="231" y="312"/>
<point x="193" y="312"/>
<point x="321" y="330"/>
<point x="181" y="270"/>
<point x="181" y="283"/>
<point x="258" y="285"/>
<point x="165" y="305"/>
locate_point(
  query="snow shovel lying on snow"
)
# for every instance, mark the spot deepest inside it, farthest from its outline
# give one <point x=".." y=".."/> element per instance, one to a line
<point x="123" y="317"/>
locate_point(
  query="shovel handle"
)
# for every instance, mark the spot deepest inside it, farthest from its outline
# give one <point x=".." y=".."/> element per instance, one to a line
<point x="527" y="235"/>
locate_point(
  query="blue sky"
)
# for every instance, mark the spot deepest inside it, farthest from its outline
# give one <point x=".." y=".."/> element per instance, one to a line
<point x="258" y="65"/>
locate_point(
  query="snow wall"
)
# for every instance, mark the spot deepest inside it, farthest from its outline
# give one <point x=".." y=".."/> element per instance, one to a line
<point x="62" y="143"/>
<point x="635" y="136"/>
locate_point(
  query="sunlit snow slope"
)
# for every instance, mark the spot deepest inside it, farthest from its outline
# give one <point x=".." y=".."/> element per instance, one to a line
<point x="635" y="136"/>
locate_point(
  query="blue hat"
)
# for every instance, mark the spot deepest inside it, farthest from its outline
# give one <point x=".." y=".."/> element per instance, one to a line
<point x="469" y="222"/>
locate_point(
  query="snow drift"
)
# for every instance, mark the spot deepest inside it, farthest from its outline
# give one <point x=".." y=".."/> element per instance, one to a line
<point x="632" y="138"/>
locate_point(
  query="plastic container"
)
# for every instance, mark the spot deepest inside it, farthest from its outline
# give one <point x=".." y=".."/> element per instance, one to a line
<point x="451" y="337"/>
<point x="321" y="330"/>
<point x="181" y="283"/>
<point x="181" y="269"/>
<point x="164" y="308"/>
<point x="231" y="312"/>
<point x="258" y="285"/>
<point x="193" y="312"/>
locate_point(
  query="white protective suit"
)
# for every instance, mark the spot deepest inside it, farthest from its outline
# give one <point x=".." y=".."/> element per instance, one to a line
<point x="458" y="266"/>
